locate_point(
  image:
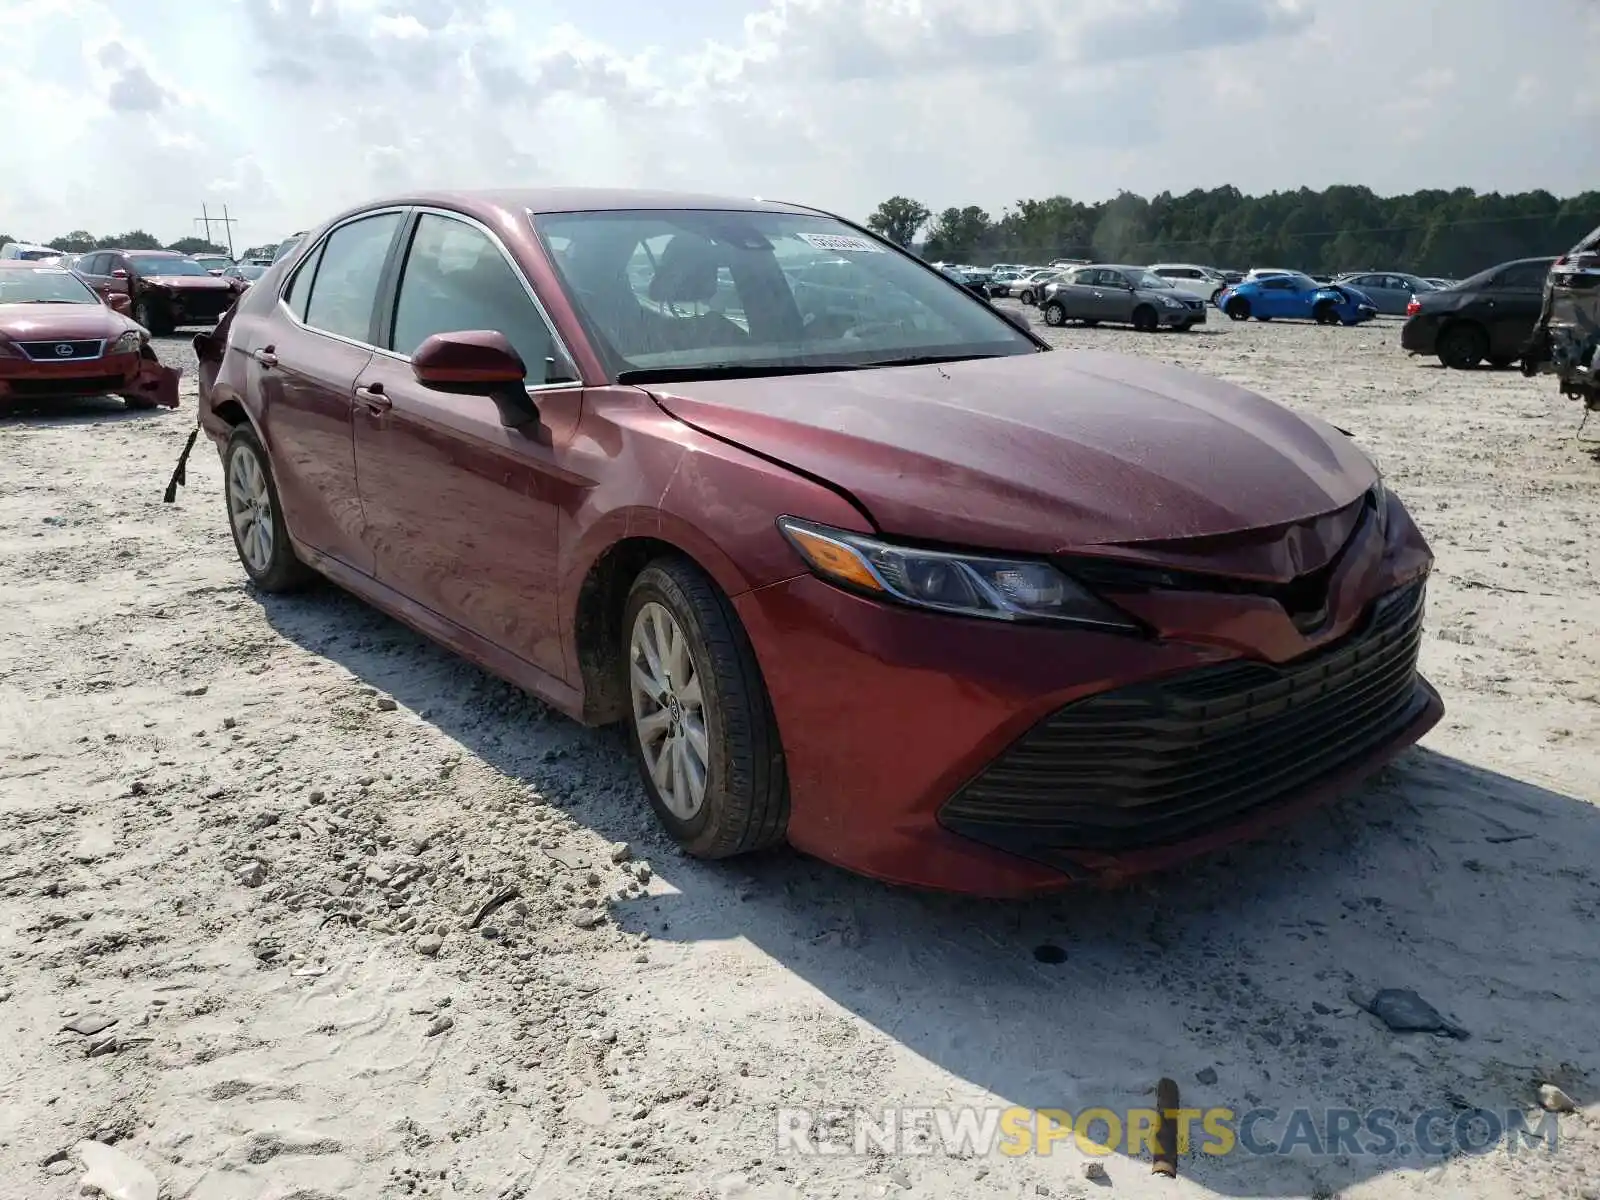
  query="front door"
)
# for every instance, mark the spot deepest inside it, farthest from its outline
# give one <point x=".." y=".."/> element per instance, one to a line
<point x="303" y="363"/>
<point x="1113" y="296"/>
<point x="461" y="512"/>
<point x="1515" y="297"/>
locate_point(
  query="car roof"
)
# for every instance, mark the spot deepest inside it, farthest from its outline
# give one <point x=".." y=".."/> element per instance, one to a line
<point x="578" y="199"/>
<point x="22" y="264"/>
<point x="149" y="253"/>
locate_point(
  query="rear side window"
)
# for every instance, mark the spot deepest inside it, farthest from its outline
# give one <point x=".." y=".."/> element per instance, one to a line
<point x="456" y="279"/>
<point x="344" y="290"/>
<point x="299" y="289"/>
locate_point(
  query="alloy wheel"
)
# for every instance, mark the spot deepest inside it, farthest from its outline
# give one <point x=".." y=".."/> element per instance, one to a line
<point x="250" y="508"/>
<point x="668" y="710"/>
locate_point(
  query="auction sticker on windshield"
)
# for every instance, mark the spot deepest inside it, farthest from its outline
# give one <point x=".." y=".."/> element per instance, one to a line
<point x="838" y="241"/>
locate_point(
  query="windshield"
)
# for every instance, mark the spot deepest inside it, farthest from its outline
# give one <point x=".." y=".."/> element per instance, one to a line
<point x="1149" y="279"/>
<point x="680" y="290"/>
<point x="148" y="264"/>
<point x="43" y="285"/>
<point x="213" y="260"/>
<point x="250" y="270"/>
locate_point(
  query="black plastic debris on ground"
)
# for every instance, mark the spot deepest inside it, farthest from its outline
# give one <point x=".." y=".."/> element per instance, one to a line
<point x="1403" y="1011"/>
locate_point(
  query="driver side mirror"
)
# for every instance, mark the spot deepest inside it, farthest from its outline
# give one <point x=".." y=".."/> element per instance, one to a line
<point x="477" y="362"/>
<point x="119" y="301"/>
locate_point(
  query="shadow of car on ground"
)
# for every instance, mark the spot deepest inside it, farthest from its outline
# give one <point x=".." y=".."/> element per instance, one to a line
<point x="1231" y="976"/>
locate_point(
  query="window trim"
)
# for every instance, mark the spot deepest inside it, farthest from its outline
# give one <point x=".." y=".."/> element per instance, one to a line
<point x="395" y="277"/>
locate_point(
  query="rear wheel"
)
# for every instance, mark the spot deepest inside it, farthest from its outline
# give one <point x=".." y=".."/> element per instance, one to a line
<point x="256" y="518"/>
<point x="1238" y="309"/>
<point x="1145" y="319"/>
<point x="1462" y="346"/>
<point x="1055" y="313"/>
<point x="702" y="726"/>
<point x="1027" y="296"/>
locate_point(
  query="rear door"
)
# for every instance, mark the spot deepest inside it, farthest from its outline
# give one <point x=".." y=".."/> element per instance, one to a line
<point x="304" y="368"/>
<point x="461" y="512"/>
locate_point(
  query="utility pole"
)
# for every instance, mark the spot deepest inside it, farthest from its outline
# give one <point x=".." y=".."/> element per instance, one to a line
<point x="206" y="219"/>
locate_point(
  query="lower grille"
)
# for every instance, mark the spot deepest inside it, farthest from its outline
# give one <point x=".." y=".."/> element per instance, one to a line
<point x="63" y="351"/>
<point x="93" y="385"/>
<point x="1159" y="762"/>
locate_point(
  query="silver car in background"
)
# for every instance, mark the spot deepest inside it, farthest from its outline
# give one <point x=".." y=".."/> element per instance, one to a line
<point x="1192" y="277"/>
<point x="1390" y="291"/>
<point x="1121" y="295"/>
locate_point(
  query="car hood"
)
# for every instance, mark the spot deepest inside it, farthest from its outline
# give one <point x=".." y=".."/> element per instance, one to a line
<point x="37" y="322"/>
<point x="194" y="282"/>
<point x="1040" y="452"/>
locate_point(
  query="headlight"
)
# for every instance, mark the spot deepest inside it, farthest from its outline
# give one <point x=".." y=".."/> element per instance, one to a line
<point x="127" y="343"/>
<point x="1171" y="303"/>
<point x="972" y="585"/>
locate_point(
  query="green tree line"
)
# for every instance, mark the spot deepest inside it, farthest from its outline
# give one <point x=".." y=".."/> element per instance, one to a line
<point x="1342" y="228"/>
<point x="79" y="241"/>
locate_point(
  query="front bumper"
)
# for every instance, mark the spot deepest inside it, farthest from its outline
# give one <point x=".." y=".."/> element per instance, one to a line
<point x="195" y="306"/>
<point x="946" y="753"/>
<point x="109" y="374"/>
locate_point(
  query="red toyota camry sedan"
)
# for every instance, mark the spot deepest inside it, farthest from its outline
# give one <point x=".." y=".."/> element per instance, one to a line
<point x="862" y="564"/>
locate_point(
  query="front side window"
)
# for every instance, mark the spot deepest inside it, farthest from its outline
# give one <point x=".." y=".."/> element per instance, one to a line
<point x="685" y="290"/>
<point x="457" y="279"/>
<point x="1523" y="277"/>
<point x="344" y="290"/>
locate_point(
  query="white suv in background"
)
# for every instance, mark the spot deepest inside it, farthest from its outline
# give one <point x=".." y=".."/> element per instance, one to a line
<point x="1205" y="280"/>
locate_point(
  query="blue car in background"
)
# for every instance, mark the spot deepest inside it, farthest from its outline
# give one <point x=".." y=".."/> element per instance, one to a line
<point x="1289" y="295"/>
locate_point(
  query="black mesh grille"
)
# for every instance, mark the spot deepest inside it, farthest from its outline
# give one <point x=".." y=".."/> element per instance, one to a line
<point x="92" y="385"/>
<point x="1162" y="761"/>
<point x="52" y="351"/>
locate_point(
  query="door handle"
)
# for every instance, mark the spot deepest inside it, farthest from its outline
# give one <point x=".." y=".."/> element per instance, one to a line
<point x="372" y="399"/>
<point x="265" y="356"/>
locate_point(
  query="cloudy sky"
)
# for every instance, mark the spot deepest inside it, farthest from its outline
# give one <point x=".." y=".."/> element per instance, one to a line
<point x="135" y="112"/>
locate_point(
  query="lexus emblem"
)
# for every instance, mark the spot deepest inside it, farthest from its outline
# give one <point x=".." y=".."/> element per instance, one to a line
<point x="63" y="350"/>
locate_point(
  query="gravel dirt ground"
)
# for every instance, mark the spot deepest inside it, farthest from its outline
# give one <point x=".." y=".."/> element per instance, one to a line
<point x="360" y="917"/>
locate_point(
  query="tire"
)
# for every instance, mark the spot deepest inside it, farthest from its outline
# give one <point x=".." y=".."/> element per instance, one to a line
<point x="248" y="486"/>
<point x="1055" y="314"/>
<point x="138" y="403"/>
<point x="1145" y="319"/>
<point x="1216" y="295"/>
<point x="1325" y="313"/>
<point x="1026" y="296"/>
<point x="1238" y="309"/>
<point x="1462" y="346"/>
<point x="153" y="316"/>
<point x="743" y="800"/>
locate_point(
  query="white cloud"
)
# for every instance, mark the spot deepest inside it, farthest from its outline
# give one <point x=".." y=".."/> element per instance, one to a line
<point x="288" y="110"/>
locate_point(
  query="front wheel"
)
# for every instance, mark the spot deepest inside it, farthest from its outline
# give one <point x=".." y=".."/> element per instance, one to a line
<point x="1325" y="313"/>
<point x="1238" y="309"/>
<point x="153" y="316"/>
<point x="1027" y="296"/>
<point x="1145" y="319"/>
<point x="701" y="723"/>
<point x="1055" y="314"/>
<point x="256" y="518"/>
